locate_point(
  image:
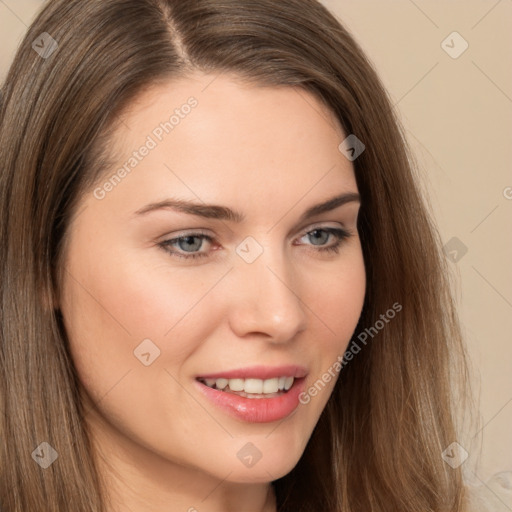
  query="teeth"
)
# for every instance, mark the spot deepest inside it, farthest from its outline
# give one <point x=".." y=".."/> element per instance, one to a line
<point x="252" y="386"/>
<point x="271" y="385"/>
<point x="221" y="383"/>
<point x="236" y="384"/>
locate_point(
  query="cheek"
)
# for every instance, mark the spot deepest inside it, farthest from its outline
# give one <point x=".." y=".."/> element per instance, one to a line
<point x="175" y="308"/>
<point x="337" y="301"/>
<point x="337" y="306"/>
<point x="109" y="309"/>
<point x="112" y="304"/>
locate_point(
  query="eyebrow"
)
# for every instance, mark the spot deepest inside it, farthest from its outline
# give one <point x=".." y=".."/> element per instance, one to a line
<point x="211" y="211"/>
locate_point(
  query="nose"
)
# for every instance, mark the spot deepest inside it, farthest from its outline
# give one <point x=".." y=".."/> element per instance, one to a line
<point x="265" y="299"/>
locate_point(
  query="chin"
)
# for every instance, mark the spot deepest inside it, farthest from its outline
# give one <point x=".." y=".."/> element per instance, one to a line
<point x="265" y="459"/>
<point x="261" y="473"/>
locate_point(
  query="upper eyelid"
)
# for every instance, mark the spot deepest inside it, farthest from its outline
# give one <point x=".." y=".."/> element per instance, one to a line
<point x="306" y="229"/>
<point x="212" y="239"/>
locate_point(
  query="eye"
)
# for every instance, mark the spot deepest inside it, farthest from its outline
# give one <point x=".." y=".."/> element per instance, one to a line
<point x="321" y="235"/>
<point x="186" y="246"/>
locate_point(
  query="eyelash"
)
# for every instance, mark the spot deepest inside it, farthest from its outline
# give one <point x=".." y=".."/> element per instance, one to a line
<point x="340" y="234"/>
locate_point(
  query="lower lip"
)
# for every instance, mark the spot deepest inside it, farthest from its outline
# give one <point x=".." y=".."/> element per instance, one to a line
<point x="256" y="410"/>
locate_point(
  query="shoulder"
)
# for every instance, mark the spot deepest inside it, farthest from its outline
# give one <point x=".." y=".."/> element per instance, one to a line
<point x="495" y="495"/>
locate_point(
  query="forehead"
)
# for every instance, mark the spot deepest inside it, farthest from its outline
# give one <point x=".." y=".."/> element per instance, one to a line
<point x="228" y="113"/>
<point x="205" y="137"/>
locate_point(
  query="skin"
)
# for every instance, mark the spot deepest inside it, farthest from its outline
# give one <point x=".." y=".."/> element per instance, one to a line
<point x="270" y="153"/>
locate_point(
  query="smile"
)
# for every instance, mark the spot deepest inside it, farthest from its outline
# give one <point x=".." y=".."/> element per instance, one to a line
<point x="252" y="388"/>
<point x="255" y="395"/>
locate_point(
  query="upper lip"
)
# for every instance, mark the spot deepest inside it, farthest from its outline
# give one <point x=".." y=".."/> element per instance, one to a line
<point x="259" y="372"/>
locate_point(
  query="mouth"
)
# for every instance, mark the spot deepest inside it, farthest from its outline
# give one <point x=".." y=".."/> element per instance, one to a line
<point x="256" y="395"/>
<point x="252" y="388"/>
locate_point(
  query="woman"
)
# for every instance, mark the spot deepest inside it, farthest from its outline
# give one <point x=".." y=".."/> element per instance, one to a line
<point x="221" y="288"/>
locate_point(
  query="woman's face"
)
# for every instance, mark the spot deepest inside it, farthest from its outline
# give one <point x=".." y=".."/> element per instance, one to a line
<point x="163" y="305"/>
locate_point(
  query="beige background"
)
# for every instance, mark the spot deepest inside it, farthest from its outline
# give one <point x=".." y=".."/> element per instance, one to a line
<point x="458" y="116"/>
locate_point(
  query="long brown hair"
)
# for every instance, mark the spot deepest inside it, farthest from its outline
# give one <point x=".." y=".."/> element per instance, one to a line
<point x="378" y="444"/>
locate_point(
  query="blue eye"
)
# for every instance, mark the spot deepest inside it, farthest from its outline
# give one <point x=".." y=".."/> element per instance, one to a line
<point x="186" y="243"/>
<point x="339" y="234"/>
<point x="189" y="244"/>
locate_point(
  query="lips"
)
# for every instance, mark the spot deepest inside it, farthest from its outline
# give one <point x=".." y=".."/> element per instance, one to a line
<point x="259" y="372"/>
<point x="256" y="394"/>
